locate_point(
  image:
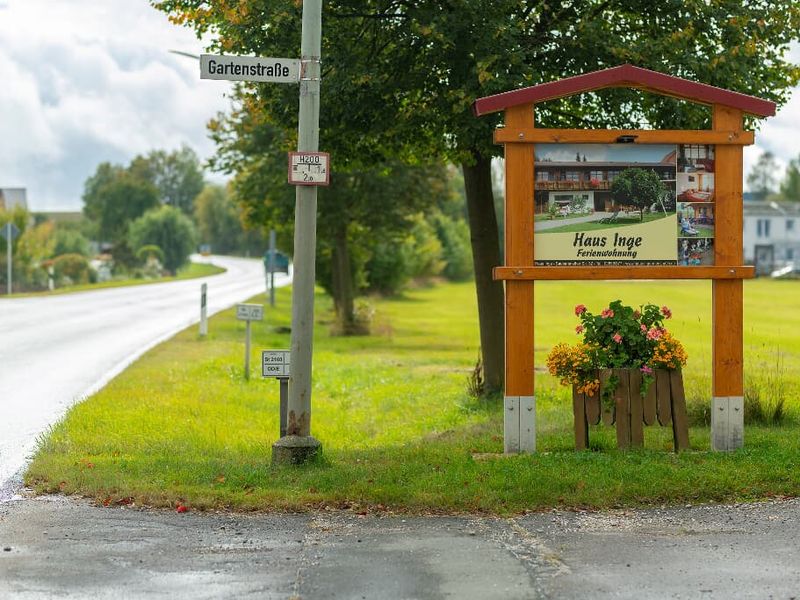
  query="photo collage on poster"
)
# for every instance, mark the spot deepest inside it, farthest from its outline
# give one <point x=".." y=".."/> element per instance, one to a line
<point x="695" y="205"/>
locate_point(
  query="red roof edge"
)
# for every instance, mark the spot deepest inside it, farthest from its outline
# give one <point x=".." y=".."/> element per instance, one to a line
<point x="625" y="76"/>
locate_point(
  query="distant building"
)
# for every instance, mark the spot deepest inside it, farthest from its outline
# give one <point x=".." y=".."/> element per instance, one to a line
<point x="11" y="197"/>
<point x="771" y="235"/>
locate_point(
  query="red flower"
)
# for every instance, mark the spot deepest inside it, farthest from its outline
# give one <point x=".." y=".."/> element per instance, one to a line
<point x="580" y="309"/>
<point x="666" y="312"/>
<point x="617" y="338"/>
<point x="607" y="313"/>
<point x="181" y="508"/>
<point x="579" y="329"/>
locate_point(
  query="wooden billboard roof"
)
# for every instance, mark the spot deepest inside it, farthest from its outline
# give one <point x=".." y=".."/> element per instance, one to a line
<point x="626" y="76"/>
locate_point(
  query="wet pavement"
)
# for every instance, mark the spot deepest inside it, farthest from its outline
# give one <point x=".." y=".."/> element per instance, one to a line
<point x="68" y="548"/>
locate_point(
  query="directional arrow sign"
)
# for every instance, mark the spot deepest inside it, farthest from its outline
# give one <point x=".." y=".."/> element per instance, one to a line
<point x="9" y="231"/>
<point x="249" y="68"/>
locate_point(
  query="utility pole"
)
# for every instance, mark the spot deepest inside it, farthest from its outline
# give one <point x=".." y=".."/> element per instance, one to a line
<point x="298" y="446"/>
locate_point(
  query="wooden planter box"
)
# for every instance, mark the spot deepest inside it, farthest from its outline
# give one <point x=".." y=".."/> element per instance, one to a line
<point x="665" y="404"/>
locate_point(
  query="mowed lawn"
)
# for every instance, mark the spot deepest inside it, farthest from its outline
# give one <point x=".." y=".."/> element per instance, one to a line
<point x="398" y="428"/>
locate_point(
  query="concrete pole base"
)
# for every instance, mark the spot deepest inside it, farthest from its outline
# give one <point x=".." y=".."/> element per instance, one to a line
<point x="295" y="450"/>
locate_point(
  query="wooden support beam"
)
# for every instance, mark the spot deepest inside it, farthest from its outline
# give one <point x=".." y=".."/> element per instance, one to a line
<point x="727" y="296"/>
<point x="527" y="135"/>
<point x="519" y="203"/>
<point x="626" y="272"/>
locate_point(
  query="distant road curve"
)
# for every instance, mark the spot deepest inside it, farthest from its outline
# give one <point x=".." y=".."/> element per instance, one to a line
<point x="57" y="350"/>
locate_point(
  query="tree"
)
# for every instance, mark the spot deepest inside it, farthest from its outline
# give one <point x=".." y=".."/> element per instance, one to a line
<point x="113" y="198"/>
<point x="790" y="186"/>
<point x="763" y="176"/>
<point x="400" y="78"/>
<point x="219" y="223"/>
<point x="169" y="229"/>
<point x="637" y="187"/>
<point x="176" y="175"/>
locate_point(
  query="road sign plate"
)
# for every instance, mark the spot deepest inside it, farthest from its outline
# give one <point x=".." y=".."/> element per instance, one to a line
<point x="9" y="231"/>
<point x="275" y="363"/>
<point x="249" y="68"/>
<point x="250" y="312"/>
<point x="309" y="168"/>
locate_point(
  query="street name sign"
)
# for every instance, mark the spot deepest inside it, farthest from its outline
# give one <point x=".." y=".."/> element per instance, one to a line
<point x="249" y="312"/>
<point x="309" y="168"/>
<point x="10" y="231"/>
<point x="249" y="68"/>
<point x="275" y="363"/>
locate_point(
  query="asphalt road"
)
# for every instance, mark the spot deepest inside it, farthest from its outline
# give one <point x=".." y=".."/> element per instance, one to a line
<point x="56" y="547"/>
<point x="56" y="350"/>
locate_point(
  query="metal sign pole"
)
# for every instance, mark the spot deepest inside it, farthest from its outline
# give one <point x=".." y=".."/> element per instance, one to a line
<point x="8" y="259"/>
<point x="272" y="250"/>
<point x="298" y="445"/>
<point x="247" y="350"/>
<point x="284" y="381"/>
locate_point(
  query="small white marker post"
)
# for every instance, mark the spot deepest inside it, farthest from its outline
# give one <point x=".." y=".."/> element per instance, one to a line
<point x="203" y="310"/>
<point x="277" y="364"/>
<point x="248" y="313"/>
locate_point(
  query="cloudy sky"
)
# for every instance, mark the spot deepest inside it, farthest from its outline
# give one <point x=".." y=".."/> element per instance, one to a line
<point x="87" y="81"/>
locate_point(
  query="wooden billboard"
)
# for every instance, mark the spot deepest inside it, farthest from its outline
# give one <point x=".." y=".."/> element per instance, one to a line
<point x="725" y="267"/>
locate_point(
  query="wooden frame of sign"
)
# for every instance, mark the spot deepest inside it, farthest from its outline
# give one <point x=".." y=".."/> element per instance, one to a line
<point x="520" y="272"/>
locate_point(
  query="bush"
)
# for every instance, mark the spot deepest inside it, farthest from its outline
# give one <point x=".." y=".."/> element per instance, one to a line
<point x="456" y="248"/>
<point x="71" y="268"/>
<point x="169" y="229"/>
<point x="68" y="241"/>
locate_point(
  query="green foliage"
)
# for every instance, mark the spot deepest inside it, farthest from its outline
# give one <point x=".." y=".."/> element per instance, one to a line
<point x="456" y="251"/>
<point x="71" y="268"/>
<point x="113" y="197"/>
<point x="762" y="179"/>
<point x="637" y="187"/>
<point x="790" y="186"/>
<point x="170" y="230"/>
<point x="219" y="223"/>
<point x="176" y="175"/>
<point x="150" y="252"/>
<point x="70" y="241"/>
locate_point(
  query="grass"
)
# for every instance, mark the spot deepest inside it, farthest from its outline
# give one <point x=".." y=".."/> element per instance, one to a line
<point x="398" y="429"/>
<point x="621" y="221"/>
<point x="191" y="271"/>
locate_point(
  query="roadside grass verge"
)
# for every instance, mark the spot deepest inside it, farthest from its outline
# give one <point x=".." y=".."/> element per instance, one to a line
<point x="398" y="429"/>
<point x="191" y="271"/>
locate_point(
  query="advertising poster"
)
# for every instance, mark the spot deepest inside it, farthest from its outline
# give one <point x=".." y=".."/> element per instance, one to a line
<point x="605" y="204"/>
<point x="695" y="205"/>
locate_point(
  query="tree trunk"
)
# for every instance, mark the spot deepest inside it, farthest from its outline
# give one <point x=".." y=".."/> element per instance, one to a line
<point x="486" y="255"/>
<point x="342" y="283"/>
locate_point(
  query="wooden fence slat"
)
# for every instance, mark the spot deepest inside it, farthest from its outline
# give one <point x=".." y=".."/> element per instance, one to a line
<point x="649" y="405"/>
<point x="581" y="424"/>
<point x="663" y="401"/>
<point x="607" y="410"/>
<point x="636" y="408"/>
<point x="622" y="405"/>
<point x="680" y="421"/>
<point x="593" y="408"/>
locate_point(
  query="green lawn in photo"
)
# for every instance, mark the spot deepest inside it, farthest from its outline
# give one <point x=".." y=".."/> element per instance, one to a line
<point x="399" y="430"/>
<point x="622" y="220"/>
<point x="703" y="231"/>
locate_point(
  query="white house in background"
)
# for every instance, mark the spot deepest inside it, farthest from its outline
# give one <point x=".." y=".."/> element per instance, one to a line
<point x="11" y="197"/>
<point x="771" y="235"/>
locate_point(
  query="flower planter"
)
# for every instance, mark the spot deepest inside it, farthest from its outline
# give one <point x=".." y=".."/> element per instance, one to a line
<point x="665" y="403"/>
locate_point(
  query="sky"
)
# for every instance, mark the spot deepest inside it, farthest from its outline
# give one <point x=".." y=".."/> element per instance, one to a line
<point x="88" y="81"/>
<point x="604" y="152"/>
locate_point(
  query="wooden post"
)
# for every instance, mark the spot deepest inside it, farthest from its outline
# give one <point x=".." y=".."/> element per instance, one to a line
<point x="727" y="413"/>
<point x="520" y="421"/>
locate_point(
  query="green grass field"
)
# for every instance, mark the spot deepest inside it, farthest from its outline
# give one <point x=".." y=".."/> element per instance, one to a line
<point x="190" y="271"/>
<point x="399" y="430"/>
